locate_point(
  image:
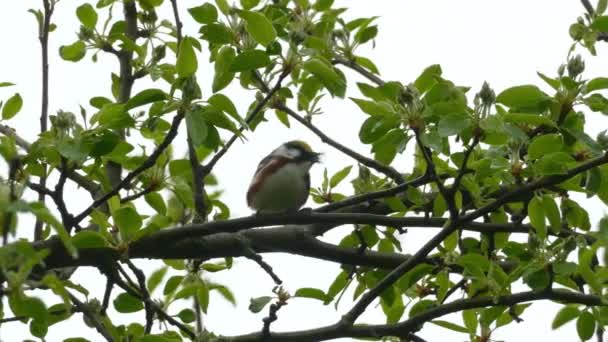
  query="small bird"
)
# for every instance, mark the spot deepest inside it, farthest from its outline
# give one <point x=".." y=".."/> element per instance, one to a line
<point x="282" y="180"/>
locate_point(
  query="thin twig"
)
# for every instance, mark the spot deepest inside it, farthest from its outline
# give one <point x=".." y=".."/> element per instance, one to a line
<point x="256" y="110"/>
<point x="148" y="163"/>
<point x="137" y="195"/>
<point x="141" y="279"/>
<point x="384" y="169"/>
<point x="92" y="316"/>
<point x="361" y="70"/>
<point x="43" y="37"/>
<point x="588" y="7"/>
<point x="353" y="200"/>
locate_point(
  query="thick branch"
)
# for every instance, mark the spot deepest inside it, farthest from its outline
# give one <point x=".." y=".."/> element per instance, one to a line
<point x="406" y="327"/>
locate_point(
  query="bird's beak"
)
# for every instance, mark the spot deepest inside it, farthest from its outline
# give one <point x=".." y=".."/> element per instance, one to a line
<point x="315" y="157"/>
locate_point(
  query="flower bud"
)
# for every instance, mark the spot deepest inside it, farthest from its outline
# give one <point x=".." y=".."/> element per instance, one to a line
<point x="576" y="66"/>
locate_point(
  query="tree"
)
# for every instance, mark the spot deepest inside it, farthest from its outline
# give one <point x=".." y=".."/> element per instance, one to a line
<point x="499" y="177"/>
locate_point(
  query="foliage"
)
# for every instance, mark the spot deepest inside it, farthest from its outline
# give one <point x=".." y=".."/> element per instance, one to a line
<point x="498" y="174"/>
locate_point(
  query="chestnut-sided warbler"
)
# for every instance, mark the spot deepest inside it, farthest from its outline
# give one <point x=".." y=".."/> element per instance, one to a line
<point x="282" y="180"/>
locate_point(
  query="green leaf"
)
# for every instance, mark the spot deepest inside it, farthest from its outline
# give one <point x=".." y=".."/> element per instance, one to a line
<point x="469" y="317"/>
<point x="249" y="60"/>
<point x="87" y="15"/>
<point x="601" y="6"/>
<point x="308" y="292"/>
<point x="186" y="64"/>
<point x="453" y="124"/>
<point x="204" y="14"/>
<point x="172" y="284"/>
<point x="551" y="211"/>
<point x="128" y="221"/>
<point x="600" y="23"/>
<point x="187" y="315"/>
<point x="528" y="119"/>
<point x="374" y="107"/>
<point x="451" y="326"/>
<point x="223" y="103"/>
<point x="249" y="4"/>
<point x="428" y="78"/>
<point x="334" y="83"/>
<point x="74" y="52"/>
<point x="217" y="33"/>
<point x="114" y="116"/>
<point x="202" y="294"/>
<point x="323" y="5"/>
<point x="125" y="303"/>
<point x="155" y="278"/>
<point x="339" y="176"/>
<point x="217" y="118"/>
<point x="585" y="325"/>
<point x="43" y="214"/>
<point x="145" y="97"/>
<point x="545" y="144"/>
<point x="525" y="96"/>
<point x="537" y="217"/>
<point x="475" y="264"/>
<point x="336" y="286"/>
<point x="88" y="239"/>
<point x="489" y="315"/>
<point x="596" y="84"/>
<point x="565" y="315"/>
<point x="366" y="34"/>
<point x="223" y="76"/>
<point x="386" y="148"/>
<point x="197" y="127"/>
<point x="257" y="304"/>
<point x="259" y="27"/>
<point x="39" y="328"/>
<point x="6" y="84"/>
<point x="12" y="106"/>
<point x="223" y="6"/>
<point x="156" y="201"/>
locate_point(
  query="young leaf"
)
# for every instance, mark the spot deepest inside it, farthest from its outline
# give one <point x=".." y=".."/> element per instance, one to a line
<point x="204" y="14"/>
<point x="12" y="106"/>
<point x="257" y="304"/>
<point x="552" y="213"/>
<point x="259" y="27"/>
<point x="585" y="325"/>
<point x="334" y="83"/>
<point x="428" y="78"/>
<point x="186" y="64"/>
<point x="74" y="52"/>
<point x="125" y="303"/>
<point x="537" y="217"/>
<point x="223" y="76"/>
<point x="145" y="97"/>
<point x="249" y="60"/>
<point x="307" y="292"/>
<point x="565" y="315"/>
<point x="87" y="15"/>
<point x="339" y="176"/>
<point x="524" y="96"/>
<point x="544" y="145"/>
<point x="128" y="221"/>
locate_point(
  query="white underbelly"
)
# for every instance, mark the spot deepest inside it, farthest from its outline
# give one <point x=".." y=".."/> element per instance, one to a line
<point x="286" y="189"/>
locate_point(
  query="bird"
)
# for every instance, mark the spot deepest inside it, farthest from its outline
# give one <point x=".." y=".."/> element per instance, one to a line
<point x="281" y="181"/>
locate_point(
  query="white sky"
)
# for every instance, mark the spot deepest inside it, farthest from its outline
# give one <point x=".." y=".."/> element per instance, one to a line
<point x="502" y="42"/>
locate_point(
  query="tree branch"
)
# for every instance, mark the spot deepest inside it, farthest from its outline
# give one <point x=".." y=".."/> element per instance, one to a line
<point x="43" y="37"/>
<point x="384" y="169"/>
<point x="149" y="162"/>
<point x="406" y="327"/>
<point x="260" y="105"/>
